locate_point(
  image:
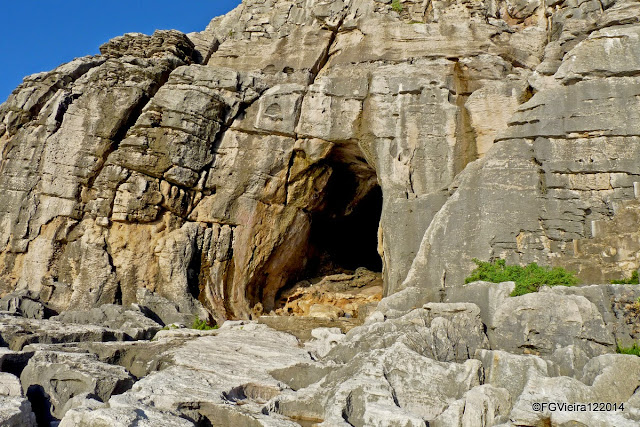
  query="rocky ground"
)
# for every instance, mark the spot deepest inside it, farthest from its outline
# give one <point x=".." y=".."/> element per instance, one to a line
<point x="481" y="358"/>
<point x="185" y="177"/>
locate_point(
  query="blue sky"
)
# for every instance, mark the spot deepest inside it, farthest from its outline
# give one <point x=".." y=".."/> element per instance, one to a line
<point x="39" y="35"/>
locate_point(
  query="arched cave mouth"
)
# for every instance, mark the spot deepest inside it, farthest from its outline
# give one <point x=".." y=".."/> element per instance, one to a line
<point x="344" y="225"/>
<point x="344" y="235"/>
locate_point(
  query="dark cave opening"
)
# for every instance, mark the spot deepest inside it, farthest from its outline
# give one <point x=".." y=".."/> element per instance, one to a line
<point x="343" y="227"/>
<point x="346" y="242"/>
<point x="344" y="230"/>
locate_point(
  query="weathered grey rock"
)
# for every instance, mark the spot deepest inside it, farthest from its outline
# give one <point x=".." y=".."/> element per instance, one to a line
<point x="568" y="361"/>
<point x="510" y="371"/>
<point x="232" y="383"/>
<point x="10" y="385"/>
<point x="13" y="361"/>
<point x="16" y="412"/>
<point x="444" y="332"/>
<point x="122" y="417"/>
<point x="616" y="304"/>
<point x="613" y="377"/>
<point x="84" y="401"/>
<point x="302" y="375"/>
<point x="21" y="303"/>
<point x="133" y="322"/>
<point x="487" y="296"/>
<point x="394" y="385"/>
<point x="399" y="303"/>
<point x="564" y="389"/>
<point x="161" y="43"/>
<point x="542" y="322"/>
<point x="52" y="378"/>
<point x="569" y="186"/>
<point x="138" y="357"/>
<point x="324" y="339"/>
<point x="163" y="309"/>
<point x="482" y="406"/>
<point x="16" y="332"/>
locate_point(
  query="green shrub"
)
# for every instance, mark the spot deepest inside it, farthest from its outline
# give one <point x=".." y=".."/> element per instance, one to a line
<point x="396" y="6"/>
<point x="528" y="279"/>
<point x="633" y="280"/>
<point x="202" y="325"/>
<point x="634" y="349"/>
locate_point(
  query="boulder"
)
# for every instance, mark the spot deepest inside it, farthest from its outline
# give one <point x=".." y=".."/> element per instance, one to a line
<point x="10" y="385"/>
<point x="324" y="339"/>
<point x="131" y="321"/>
<point x="24" y="304"/>
<point x="482" y="406"/>
<point x="393" y="383"/>
<point x="511" y="372"/>
<point x="444" y="332"/>
<point x="50" y="379"/>
<point x="16" y="412"/>
<point x="540" y="323"/>
<point x="564" y="389"/>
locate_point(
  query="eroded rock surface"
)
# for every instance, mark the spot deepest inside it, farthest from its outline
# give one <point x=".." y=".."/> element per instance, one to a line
<point x="198" y="176"/>
<point x="441" y="364"/>
<point x="297" y="139"/>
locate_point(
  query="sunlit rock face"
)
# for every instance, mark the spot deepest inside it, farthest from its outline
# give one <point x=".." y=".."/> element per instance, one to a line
<point x="294" y="139"/>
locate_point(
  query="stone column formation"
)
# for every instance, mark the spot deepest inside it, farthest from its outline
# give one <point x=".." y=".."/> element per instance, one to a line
<point x="192" y="165"/>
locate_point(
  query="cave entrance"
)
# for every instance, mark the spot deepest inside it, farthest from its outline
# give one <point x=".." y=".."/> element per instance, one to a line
<point x="344" y="232"/>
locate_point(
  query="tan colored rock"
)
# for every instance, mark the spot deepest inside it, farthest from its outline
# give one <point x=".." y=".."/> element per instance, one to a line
<point x="335" y="296"/>
<point x="204" y="167"/>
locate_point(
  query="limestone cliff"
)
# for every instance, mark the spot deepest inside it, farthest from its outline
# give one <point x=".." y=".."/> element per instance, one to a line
<point x="295" y="138"/>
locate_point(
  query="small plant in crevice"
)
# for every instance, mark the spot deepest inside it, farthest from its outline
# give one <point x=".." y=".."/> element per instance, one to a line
<point x="396" y="6"/>
<point x="634" y="349"/>
<point x="202" y="325"/>
<point x="527" y="279"/>
<point x="633" y="280"/>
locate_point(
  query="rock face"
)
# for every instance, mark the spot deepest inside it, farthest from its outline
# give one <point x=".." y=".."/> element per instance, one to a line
<point x="376" y="145"/>
<point x="294" y="139"/>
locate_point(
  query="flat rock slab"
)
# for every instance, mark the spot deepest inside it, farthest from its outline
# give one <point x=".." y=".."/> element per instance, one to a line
<point x="133" y="322"/>
<point x="17" y="332"/>
<point x="301" y="326"/>
<point x="223" y="375"/>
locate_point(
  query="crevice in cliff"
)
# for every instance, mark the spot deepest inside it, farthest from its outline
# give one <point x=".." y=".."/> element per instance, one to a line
<point x="131" y="119"/>
<point x="326" y="54"/>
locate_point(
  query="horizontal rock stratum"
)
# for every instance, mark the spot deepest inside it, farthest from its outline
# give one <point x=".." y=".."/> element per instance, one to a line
<point x="292" y="139"/>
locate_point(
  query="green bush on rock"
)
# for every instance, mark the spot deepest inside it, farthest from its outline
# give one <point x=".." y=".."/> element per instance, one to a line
<point x="527" y="279"/>
<point x="634" y="349"/>
<point x="396" y="6"/>
<point x="633" y="280"/>
<point x="201" y="325"/>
